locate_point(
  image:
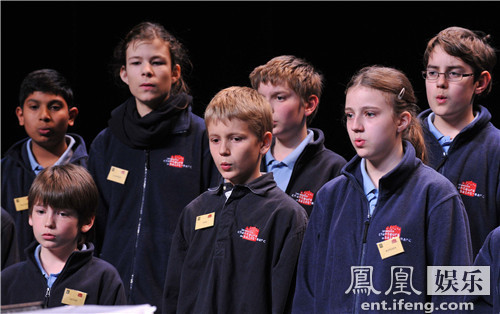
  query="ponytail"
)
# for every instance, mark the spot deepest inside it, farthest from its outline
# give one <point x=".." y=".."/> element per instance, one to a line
<point x="401" y="94"/>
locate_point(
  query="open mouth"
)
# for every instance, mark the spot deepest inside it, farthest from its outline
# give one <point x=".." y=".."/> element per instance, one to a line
<point x="44" y="131"/>
<point x="359" y="142"/>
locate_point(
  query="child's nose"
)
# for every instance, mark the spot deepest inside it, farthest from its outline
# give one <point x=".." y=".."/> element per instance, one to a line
<point x="356" y="124"/>
<point x="147" y="69"/>
<point x="441" y="80"/>
<point x="49" y="221"/>
<point x="44" y="114"/>
<point x="224" y="149"/>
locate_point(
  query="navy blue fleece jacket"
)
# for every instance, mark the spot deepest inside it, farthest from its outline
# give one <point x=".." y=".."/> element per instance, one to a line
<point x="472" y="164"/>
<point x="415" y="203"/>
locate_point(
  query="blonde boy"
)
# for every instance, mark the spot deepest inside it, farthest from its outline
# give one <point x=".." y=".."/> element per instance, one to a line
<point x="235" y="248"/>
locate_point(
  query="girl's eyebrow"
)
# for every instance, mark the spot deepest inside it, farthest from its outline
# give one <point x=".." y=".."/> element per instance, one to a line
<point x="364" y="108"/>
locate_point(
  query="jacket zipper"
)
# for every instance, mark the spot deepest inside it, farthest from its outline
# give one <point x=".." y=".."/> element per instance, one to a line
<point x="357" y="304"/>
<point x="139" y="223"/>
<point x="47" y="296"/>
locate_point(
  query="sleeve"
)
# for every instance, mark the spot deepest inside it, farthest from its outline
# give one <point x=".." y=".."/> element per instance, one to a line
<point x="10" y="249"/>
<point x="178" y="251"/>
<point x="285" y="269"/>
<point x="96" y="167"/>
<point x="484" y="303"/>
<point x="211" y="176"/>
<point x="115" y="293"/>
<point x="448" y="239"/>
<point x="304" y="297"/>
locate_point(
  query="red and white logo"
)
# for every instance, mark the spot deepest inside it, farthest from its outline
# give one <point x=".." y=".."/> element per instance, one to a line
<point x="467" y="188"/>
<point x="306" y="197"/>
<point x="175" y="161"/>
<point x="392" y="232"/>
<point x="250" y="234"/>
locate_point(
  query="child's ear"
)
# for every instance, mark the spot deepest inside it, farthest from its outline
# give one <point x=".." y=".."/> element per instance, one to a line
<point x="266" y="142"/>
<point x="123" y="74"/>
<point x="311" y="104"/>
<point x="483" y="82"/>
<point x="73" y="112"/>
<point x="30" y="221"/>
<point x="404" y="121"/>
<point x="20" y="116"/>
<point x="176" y="73"/>
<point x="87" y="227"/>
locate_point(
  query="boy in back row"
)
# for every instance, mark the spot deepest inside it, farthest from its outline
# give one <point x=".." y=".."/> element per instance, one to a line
<point x="236" y="247"/>
<point x="298" y="158"/>
<point x="46" y="110"/>
<point x="463" y="144"/>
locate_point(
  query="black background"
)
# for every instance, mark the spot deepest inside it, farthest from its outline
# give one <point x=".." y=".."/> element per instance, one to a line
<point x="226" y="40"/>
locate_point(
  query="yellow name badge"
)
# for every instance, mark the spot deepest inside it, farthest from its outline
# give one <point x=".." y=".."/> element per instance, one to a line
<point x="390" y="247"/>
<point x="73" y="297"/>
<point x="21" y="203"/>
<point x="117" y="175"/>
<point x="205" y="221"/>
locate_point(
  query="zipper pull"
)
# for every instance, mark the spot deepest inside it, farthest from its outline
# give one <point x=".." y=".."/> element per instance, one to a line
<point x="365" y="231"/>
<point x="147" y="160"/>
<point x="47" y="296"/>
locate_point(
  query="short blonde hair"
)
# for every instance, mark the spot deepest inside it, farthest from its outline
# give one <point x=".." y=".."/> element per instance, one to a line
<point x="243" y="103"/>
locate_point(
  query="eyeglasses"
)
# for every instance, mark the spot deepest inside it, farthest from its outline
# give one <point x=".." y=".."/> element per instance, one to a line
<point x="451" y="76"/>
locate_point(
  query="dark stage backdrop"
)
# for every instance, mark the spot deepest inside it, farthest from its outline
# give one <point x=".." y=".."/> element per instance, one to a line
<point x="226" y="40"/>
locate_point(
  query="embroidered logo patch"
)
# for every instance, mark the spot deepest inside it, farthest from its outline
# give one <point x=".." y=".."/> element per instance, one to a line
<point x="392" y="232"/>
<point x="306" y="197"/>
<point x="467" y="188"/>
<point x="176" y="161"/>
<point x="251" y="234"/>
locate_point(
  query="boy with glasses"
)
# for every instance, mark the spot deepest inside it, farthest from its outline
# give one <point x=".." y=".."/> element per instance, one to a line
<point x="462" y="143"/>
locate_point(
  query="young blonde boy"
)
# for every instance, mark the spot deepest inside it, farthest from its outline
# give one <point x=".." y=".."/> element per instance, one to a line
<point x="462" y="143"/>
<point x="60" y="267"/>
<point x="298" y="158"/>
<point x="236" y="247"/>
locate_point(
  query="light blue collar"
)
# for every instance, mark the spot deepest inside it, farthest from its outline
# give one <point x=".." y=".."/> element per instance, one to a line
<point x="371" y="192"/>
<point x="444" y="141"/>
<point x="282" y="170"/>
<point x="64" y="159"/>
<point x="291" y="159"/>
<point x="50" y="277"/>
